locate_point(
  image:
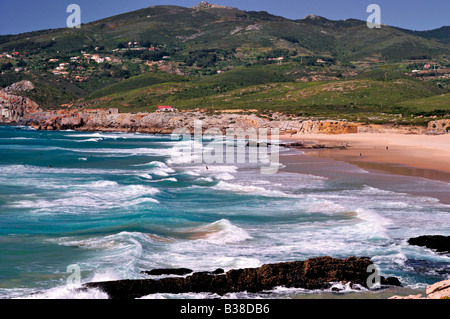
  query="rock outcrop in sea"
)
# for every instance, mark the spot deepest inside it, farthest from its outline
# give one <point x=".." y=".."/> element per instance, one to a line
<point x="437" y="242"/>
<point x="313" y="273"/>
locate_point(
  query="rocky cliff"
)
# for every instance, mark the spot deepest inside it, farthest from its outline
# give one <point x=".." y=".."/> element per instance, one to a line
<point x="166" y="123"/>
<point x="15" y="109"/>
<point x="439" y="126"/>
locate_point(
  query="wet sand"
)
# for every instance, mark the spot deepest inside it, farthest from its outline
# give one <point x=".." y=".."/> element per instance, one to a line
<point x="380" y="294"/>
<point x="416" y="165"/>
<point x="412" y="155"/>
<point x="422" y="161"/>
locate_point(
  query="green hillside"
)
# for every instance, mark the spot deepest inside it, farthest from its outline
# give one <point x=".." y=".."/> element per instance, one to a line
<point x="187" y="29"/>
<point x="429" y="104"/>
<point x="136" y="82"/>
<point x="361" y="98"/>
<point x="441" y="34"/>
<point x="226" y="58"/>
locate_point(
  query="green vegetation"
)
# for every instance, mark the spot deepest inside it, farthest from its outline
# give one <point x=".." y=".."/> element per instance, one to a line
<point x="368" y="99"/>
<point x="136" y="82"/>
<point x="429" y="104"/>
<point x="232" y="59"/>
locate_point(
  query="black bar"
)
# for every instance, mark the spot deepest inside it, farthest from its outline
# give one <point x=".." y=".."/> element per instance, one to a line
<point x="225" y="308"/>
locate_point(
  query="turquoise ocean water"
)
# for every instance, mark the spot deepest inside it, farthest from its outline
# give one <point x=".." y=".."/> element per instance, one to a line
<point x="115" y="204"/>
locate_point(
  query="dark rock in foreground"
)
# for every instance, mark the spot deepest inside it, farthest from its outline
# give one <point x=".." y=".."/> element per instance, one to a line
<point x="314" y="273"/>
<point x="178" y="271"/>
<point x="168" y="271"/>
<point x="437" y="242"/>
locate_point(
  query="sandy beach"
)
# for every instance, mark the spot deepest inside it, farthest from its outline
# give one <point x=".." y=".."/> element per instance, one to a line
<point x="414" y="155"/>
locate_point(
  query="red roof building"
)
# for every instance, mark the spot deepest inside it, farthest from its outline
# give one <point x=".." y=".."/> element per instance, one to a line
<point x="165" y="108"/>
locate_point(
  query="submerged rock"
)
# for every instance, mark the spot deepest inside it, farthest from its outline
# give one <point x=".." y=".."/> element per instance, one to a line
<point x="437" y="242"/>
<point x="314" y="273"/>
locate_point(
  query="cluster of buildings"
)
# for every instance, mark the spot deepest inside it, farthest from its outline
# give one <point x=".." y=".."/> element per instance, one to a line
<point x="94" y="57"/>
<point x="63" y="67"/>
<point x="134" y="46"/>
<point x="433" y="71"/>
<point x="12" y="55"/>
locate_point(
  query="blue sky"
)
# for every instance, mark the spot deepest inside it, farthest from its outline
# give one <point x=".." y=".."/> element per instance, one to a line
<point x="17" y="16"/>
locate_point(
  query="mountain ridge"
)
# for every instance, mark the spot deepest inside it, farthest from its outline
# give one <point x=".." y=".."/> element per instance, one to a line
<point x="214" y="53"/>
<point x="207" y="5"/>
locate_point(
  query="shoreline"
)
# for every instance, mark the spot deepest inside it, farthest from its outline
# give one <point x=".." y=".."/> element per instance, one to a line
<point x="426" y="156"/>
<point x="332" y="294"/>
<point x="418" y="155"/>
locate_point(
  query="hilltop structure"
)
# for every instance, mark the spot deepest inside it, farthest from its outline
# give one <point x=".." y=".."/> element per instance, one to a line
<point x="207" y="5"/>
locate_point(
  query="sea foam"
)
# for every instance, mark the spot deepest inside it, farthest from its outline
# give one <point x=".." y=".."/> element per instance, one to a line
<point x="219" y="232"/>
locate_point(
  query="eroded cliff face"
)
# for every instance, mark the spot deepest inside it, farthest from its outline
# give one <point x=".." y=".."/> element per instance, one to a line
<point x="167" y="123"/>
<point x="15" y="109"/>
<point x="439" y="126"/>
